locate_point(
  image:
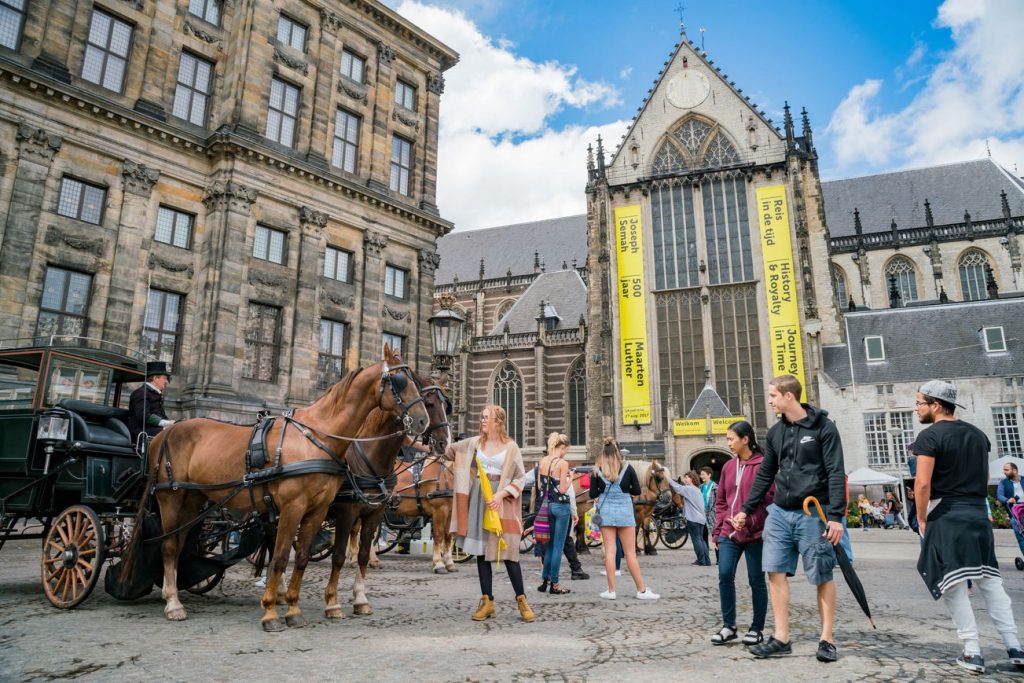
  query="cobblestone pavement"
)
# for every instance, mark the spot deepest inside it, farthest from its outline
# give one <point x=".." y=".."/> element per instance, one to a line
<point x="421" y="628"/>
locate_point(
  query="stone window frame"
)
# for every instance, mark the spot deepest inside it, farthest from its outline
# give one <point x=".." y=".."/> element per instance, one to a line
<point x="869" y="356"/>
<point x="354" y="57"/>
<point x="176" y="214"/>
<point x="204" y="12"/>
<point x="576" y="401"/>
<point x="401" y="167"/>
<point x="193" y="91"/>
<point x="7" y="9"/>
<point x="271" y="233"/>
<point x="392" y="337"/>
<point x="282" y="112"/>
<point x="349" y="258"/>
<point x="255" y="342"/>
<point x="68" y="178"/>
<point x="105" y="49"/>
<point x="285" y="20"/>
<point x="906" y="274"/>
<point x="694" y="153"/>
<point x="331" y="366"/>
<point x="1006" y="426"/>
<point x="349" y="148"/>
<point x="406" y="94"/>
<point x="839" y="283"/>
<point x="159" y="330"/>
<point x="391" y="275"/>
<point x="62" y="312"/>
<point x="970" y="268"/>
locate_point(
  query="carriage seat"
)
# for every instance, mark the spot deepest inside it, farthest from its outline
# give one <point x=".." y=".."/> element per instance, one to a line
<point x="98" y="424"/>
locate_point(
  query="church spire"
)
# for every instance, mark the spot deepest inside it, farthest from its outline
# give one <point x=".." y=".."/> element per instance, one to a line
<point x="807" y="128"/>
<point x="600" y="157"/>
<point x="929" y="219"/>
<point x="790" y="138"/>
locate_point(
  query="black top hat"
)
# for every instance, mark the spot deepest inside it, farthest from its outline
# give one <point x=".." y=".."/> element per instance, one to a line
<point x="156" y="367"/>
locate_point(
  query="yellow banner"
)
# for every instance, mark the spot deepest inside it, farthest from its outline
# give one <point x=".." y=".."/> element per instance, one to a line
<point x="785" y="341"/>
<point x="634" y="358"/>
<point x="699" y="426"/>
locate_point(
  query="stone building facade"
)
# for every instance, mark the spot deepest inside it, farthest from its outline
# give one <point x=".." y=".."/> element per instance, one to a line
<point x="244" y="189"/>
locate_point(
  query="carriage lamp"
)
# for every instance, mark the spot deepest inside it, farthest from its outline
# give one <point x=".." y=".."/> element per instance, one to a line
<point x="446" y="333"/>
<point x="53" y="427"/>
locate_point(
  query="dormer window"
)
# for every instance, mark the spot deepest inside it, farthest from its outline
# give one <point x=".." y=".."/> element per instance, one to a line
<point x="994" y="339"/>
<point x="549" y="316"/>
<point x="874" y="348"/>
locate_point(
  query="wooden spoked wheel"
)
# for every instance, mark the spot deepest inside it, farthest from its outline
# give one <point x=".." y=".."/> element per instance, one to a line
<point x="459" y="555"/>
<point x="73" y="555"/>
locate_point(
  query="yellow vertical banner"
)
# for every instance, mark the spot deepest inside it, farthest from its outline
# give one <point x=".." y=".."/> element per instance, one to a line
<point x="780" y="283"/>
<point x="636" y="394"/>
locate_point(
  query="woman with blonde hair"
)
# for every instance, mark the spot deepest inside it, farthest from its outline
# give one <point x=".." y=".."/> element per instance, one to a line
<point x="553" y="482"/>
<point x="614" y="483"/>
<point x="498" y="454"/>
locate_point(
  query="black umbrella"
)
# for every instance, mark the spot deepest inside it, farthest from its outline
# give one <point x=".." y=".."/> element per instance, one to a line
<point x="852" y="580"/>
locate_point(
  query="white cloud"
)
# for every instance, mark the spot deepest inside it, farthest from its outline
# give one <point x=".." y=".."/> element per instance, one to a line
<point x="973" y="94"/>
<point x="626" y="73"/>
<point x="499" y="158"/>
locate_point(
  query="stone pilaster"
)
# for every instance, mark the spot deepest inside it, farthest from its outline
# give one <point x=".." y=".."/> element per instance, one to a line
<point x="156" y="97"/>
<point x="428" y="153"/>
<point x="127" y="271"/>
<point x="302" y="379"/>
<point x="328" y="59"/>
<point x="540" y="396"/>
<point x="429" y="260"/>
<point x="374" y="244"/>
<point x="36" y="149"/>
<point x="380" y="128"/>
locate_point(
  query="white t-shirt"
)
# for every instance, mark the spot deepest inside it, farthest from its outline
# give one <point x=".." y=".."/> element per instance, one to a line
<point x="492" y="463"/>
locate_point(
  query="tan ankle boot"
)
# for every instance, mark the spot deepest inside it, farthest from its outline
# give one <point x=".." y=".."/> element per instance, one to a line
<point x="484" y="610"/>
<point x="524" y="609"/>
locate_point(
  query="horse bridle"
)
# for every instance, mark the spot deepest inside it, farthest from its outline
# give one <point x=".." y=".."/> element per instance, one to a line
<point x="434" y="426"/>
<point x="398" y="383"/>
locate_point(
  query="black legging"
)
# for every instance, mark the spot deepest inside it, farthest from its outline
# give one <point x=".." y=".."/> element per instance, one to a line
<point x="515" y="575"/>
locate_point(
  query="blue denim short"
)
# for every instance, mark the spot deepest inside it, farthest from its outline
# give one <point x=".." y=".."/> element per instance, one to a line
<point x="789" y="534"/>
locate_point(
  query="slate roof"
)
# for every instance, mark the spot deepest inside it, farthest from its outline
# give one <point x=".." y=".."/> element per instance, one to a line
<point x="512" y="246"/>
<point x="950" y="189"/>
<point x="930" y="342"/>
<point x="563" y="291"/>
<point x="709" y="398"/>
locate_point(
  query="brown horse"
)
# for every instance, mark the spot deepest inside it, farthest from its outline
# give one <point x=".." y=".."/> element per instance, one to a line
<point x="360" y="511"/>
<point x="202" y="459"/>
<point x="654" y="486"/>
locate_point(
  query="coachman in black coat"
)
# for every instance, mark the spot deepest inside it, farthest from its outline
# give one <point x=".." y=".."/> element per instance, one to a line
<point x="146" y="405"/>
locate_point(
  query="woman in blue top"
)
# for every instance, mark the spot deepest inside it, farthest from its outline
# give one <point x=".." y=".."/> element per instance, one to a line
<point x="614" y="484"/>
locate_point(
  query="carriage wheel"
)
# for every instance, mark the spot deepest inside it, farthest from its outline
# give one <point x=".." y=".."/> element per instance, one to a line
<point x="673" y="533"/>
<point x="386" y="537"/>
<point x="207" y="584"/>
<point x="73" y="555"/>
<point x="527" y="541"/>
<point x="458" y="555"/>
<point x="647" y="536"/>
<point x="321" y="550"/>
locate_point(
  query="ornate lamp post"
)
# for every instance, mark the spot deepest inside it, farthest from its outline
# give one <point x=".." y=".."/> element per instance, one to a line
<point x="446" y="338"/>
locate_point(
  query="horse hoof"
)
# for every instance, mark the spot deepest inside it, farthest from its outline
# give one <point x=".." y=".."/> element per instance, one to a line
<point x="362" y="610"/>
<point x="178" y="614"/>
<point x="334" y="613"/>
<point x="272" y="625"/>
<point x="451" y="568"/>
<point x="440" y="570"/>
<point x="374" y="565"/>
<point x="297" y="621"/>
<point x="652" y="551"/>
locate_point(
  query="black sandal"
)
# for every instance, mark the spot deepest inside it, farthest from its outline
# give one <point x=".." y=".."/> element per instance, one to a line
<point x="543" y="588"/>
<point x="557" y="589"/>
<point x="724" y="635"/>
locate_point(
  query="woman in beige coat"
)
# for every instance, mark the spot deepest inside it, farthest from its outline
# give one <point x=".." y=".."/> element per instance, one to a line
<point x="503" y="465"/>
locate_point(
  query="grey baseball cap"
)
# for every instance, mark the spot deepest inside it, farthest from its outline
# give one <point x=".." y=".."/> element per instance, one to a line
<point x="944" y="391"/>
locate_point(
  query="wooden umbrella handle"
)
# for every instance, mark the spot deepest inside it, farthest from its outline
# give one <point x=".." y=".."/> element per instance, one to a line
<point x="807" y="507"/>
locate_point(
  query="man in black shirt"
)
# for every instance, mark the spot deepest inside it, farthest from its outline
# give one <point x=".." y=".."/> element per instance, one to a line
<point x="146" y="404"/>
<point x="950" y="489"/>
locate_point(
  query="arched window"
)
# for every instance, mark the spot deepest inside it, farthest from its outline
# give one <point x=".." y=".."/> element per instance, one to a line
<point x="694" y="144"/>
<point x="508" y="393"/>
<point x="839" y="279"/>
<point x="720" y="152"/>
<point x="576" y="404"/>
<point x="972" y="275"/>
<point x="692" y="135"/>
<point x="503" y="308"/>
<point x="903" y="270"/>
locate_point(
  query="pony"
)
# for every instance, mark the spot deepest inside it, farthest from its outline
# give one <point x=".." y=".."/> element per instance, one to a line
<point x="201" y="460"/>
<point x="654" y="491"/>
<point x="359" y="512"/>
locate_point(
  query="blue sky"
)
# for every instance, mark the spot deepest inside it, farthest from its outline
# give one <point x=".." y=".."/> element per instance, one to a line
<point x="887" y="85"/>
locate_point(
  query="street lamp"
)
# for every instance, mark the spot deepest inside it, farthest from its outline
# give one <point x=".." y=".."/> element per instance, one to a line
<point x="445" y="336"/>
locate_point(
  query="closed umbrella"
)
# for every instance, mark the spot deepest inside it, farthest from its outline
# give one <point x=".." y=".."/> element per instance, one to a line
<point x="852" y="580"/>
<point x="492" y="520"/>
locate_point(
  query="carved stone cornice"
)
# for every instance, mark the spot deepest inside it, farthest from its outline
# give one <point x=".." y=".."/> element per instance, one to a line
<point x="329" y="21"/>
<point x="357" y="91"/>
<point x="292" y="62"/>
<point x="138" y="178"/>
<point x="429" y="261"/>
<point x="343" y="300"/>
<point x="374" y="243"/>
<point x="191" y="29"/>
<point x="222" y="194"/>
<point x="387" y="312"/>
<point x="435" y="83"/>
<point x="312" y="217"/>
<point x="258" y="277"/>
<point x="55" y="237"/>
<point x="37" y="144"/>
<point x="409" y="118"/>
<point x="385" y="53"/>
<point x="172" y="265"/>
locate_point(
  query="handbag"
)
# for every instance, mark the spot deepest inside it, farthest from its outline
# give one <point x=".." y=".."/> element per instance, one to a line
<point x="595" y="518"/>
<point x="542" y="523"/>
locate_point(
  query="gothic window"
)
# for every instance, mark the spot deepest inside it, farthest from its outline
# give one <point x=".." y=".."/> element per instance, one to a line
<point x="720" y="153"/>
<point x="161" y="327"/>
<point x="674" y="230"/>
<point x="681" y="357"/>
<point x="508" y="393"/>
<point x="736" y="348"/>
<point x="576" y="419"/>
<point x="839" y="279"/>
<point x="906" y="278"/>
<point x="503" y="308"/>
<point x="262" y="342"/>
<point x="727" y="231"/>
<point x="692" y="135"/>
<point x="668" y="160"/>
<point x="972" y="275"/>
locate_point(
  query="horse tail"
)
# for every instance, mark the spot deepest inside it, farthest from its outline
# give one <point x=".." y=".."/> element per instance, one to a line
<point x="135" y="542"/>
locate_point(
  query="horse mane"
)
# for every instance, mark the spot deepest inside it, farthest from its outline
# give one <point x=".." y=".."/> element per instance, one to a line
<point x="645" y="470"/>
<point x="339" y="390"/>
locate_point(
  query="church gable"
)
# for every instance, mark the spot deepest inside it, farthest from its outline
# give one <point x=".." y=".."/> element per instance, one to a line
<point x="694" y="119"/>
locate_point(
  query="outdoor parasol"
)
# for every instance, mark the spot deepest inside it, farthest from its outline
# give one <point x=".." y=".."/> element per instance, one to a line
<point x="852" y="580"/>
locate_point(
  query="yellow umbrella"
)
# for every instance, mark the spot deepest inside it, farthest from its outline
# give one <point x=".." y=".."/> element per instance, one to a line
<point x="492" y="521"/>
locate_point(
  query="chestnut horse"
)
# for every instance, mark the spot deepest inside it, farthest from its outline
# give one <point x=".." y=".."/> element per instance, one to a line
<point x="202" y="459"/>
<point x="654" y="486"/>
<point x="361" y="511"/>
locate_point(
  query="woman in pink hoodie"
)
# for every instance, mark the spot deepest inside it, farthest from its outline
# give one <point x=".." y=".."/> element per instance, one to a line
<point x="734" y="486"/>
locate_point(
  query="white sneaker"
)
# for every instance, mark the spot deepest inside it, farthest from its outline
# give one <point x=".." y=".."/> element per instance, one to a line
<point x="261" y="582"/>
<point x="608" y="595"/>
<point x="604" y="572"/>
<point x="647" y="595"/>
